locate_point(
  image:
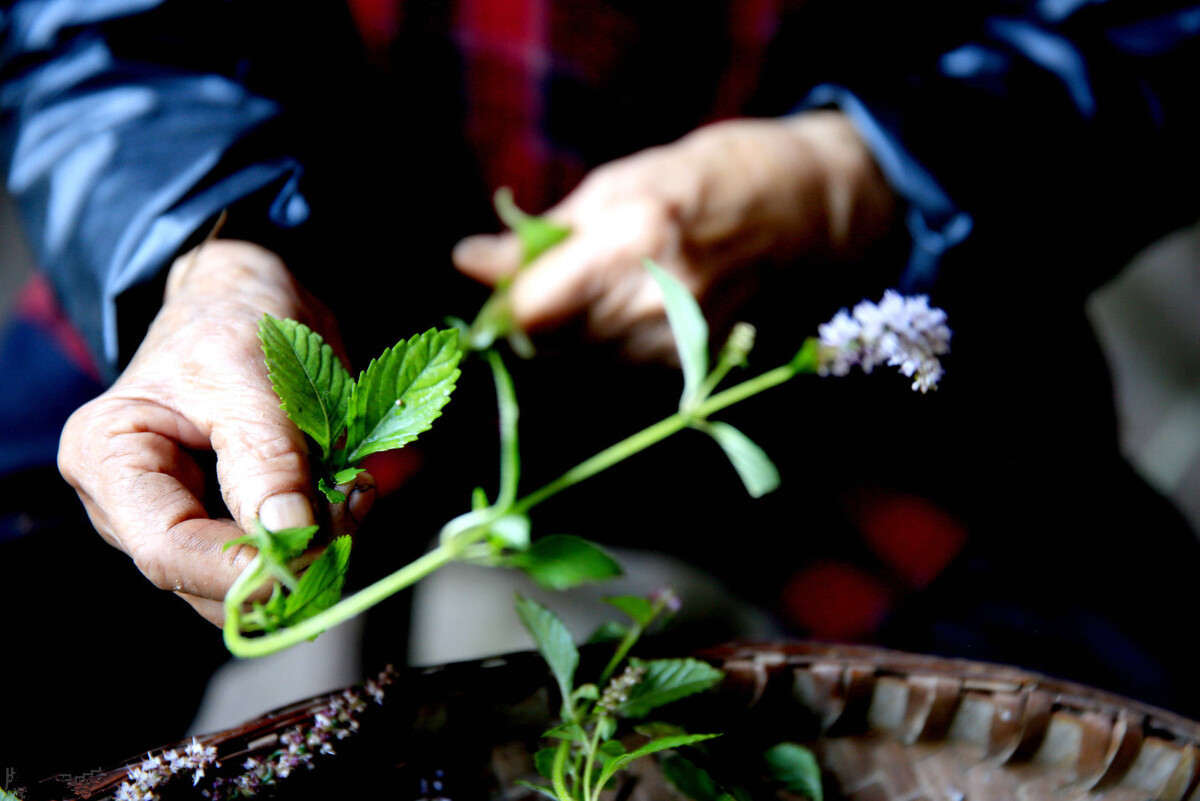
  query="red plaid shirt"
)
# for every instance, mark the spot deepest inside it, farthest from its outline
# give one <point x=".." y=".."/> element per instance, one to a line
<point x="529" y="66"/>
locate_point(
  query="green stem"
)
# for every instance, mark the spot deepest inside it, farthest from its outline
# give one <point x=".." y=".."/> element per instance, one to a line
<point x="506" y="402"/>
<point x="472" y="527"/>
<point x="340" y="612"/>
<point x="559" y="768"/>
<point x="605" y="459"/>
<point x="593" y="747"/>
<point x="656" y="433"/>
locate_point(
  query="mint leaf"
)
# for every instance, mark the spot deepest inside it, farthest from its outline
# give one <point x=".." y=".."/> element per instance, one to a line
<point x="553" y="642"/>
<point x="276" y="548"/>
<point x="561" y="561"/>
<point x="312" y="385"/>
<point x="667" y="680"/>
<point x="753" y="466"/>
<point x="332" y="495"/>
<point x="796" y="768"/>
<point x="654" y="746"/>
<point x="401" y="393"/>
<point x="321" y="585"/>
<point x="330" y="486"/>
<point x="537" y="234"/>
<point x="639" y="609"/>
<point x="688" y="326"/>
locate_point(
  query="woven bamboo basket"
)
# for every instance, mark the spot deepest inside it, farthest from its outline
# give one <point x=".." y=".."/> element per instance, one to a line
<point x="885" y="725"/>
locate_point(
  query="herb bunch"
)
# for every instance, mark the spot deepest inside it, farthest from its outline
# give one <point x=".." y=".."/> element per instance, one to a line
<point x="404" y="390"/>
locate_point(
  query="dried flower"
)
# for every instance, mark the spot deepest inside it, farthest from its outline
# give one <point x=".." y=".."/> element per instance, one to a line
<point x="899" y="331"/>
<point x="299" y="745"/>
<point x="143" y="781"/>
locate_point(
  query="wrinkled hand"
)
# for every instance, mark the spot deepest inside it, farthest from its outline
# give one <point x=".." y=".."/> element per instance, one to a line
<point x="198" y="382"/>
<point x="712" y="208"/>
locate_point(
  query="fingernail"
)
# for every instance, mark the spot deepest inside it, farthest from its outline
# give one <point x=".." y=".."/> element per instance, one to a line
<point x="286" y="510"/>
<point x="362" y="498"/>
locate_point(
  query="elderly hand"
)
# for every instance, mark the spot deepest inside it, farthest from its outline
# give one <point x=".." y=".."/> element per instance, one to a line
<point x="199" y="382"/>
<point x="712" y="208"/>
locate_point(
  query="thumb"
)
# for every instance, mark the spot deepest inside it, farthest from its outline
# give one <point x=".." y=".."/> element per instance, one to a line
<point x="487" y="257"/>
<point x="262" y="465"/>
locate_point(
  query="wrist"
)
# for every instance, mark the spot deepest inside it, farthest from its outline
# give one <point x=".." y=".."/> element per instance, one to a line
<point x="858" y="205"/>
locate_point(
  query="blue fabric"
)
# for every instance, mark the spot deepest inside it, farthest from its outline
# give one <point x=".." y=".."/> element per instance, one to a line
<point x="118" y="156"/>
<point x="1040" y="122"/>
<point x="41" y="389"/>
<point x="116" y="163"/>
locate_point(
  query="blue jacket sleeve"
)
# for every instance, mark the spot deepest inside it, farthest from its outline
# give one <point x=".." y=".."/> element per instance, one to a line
<point x="1048" y="123"/>
<point x="127" y="128"/>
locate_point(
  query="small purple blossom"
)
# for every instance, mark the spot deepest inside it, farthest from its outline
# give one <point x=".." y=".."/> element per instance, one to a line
<point x="899" y="331"/>
<point x="298" y="746"/>
<point x="143" y="781"/>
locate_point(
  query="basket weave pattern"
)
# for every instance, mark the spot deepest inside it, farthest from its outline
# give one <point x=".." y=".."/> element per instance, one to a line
<point x="901" y="727"/>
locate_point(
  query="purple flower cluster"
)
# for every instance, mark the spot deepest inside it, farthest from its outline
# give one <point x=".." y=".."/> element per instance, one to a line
<point x="143" y="781"/>
<point x="899" y="331"/>
<point x="297" y="748"/>
<point x="301" y="744"/>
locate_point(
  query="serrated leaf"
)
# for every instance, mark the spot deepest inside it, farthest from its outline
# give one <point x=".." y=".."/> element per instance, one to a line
<point x="553" y="642"/>
<point x="690" y="779"/>
<point x="321" y="585"/>
<point x="796" y="768"/>
<point x="639" y="609"/>
<point x="753" y="466"/>
<point x="346" y="475"/>
<point x="654" y="746"/>
<point x="562" y="561"/>
<point x="402" y="392"/>
<point x="689" y="328"/>
<point x="667" y="680"/>
<point x="312" y="385"/>
<point x="276" y="548"/>
<point x="330" y="492"/>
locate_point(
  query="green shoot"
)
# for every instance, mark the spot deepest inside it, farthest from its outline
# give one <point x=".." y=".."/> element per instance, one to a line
<point x="586" y="753"/>
<point x="495" y="320"/>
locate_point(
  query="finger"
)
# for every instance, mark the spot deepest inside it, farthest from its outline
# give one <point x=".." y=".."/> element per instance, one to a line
<point x="347" y="516"/>
<point x="262" y="465"/>
<point x="143" y="492"/>
<point x="210" y="610"/>
<point x="487" y="258"/>
<point x="602" y="265"/>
